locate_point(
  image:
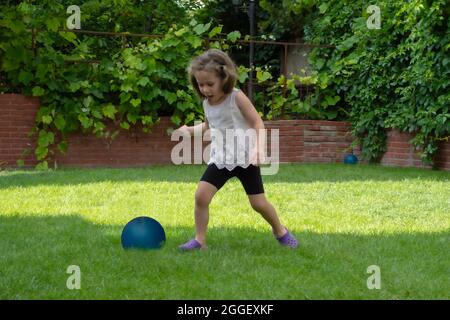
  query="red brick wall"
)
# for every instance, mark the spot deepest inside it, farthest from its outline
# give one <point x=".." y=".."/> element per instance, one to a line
<point x="17" y="114"/>
<point x="312" y="140"/>
<point x="127" y="149"/>
<point x="400" y="152"/>
<point x="300" y="141"/>
<point x="443" y="155"/>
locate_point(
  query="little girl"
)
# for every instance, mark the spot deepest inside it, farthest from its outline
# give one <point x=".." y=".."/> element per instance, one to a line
<point x="213" y="76"/>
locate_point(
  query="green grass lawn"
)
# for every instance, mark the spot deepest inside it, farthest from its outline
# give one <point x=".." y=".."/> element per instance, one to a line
<point x="347" y="218"/>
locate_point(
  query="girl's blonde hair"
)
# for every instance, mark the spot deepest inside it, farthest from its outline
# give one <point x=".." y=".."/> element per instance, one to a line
<point x="217" y="61"/>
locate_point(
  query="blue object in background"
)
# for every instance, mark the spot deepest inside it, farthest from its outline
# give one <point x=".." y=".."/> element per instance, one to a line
<point x="351" y="159"/>
<point x="143" y="233"/>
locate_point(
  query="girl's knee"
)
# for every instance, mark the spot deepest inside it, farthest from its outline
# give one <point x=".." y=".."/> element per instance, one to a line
<point x="259" y="205"/>
<point x="202" y="199"/>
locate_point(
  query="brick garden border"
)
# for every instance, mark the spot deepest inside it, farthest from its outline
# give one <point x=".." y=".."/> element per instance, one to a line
<point x="301" y="141"/>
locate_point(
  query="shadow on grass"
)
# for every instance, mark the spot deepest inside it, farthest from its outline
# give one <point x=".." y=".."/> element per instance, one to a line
<point x="241" y="263"/>
<point x="291" y="173"/>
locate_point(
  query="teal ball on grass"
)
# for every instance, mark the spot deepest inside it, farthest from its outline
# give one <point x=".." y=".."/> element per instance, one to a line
<point x="143" y="233"/>
<point x="351" y="159"/>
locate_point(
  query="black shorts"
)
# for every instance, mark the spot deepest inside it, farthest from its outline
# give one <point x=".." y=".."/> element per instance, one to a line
<point x="250" y="177"/>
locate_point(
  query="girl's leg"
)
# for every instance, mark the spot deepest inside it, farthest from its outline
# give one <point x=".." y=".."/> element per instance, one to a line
<point x="260" y="204"/>
<point x="203" y="196"/>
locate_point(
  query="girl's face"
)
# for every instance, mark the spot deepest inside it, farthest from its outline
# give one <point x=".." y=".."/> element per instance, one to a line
<point x="210" y="86"/>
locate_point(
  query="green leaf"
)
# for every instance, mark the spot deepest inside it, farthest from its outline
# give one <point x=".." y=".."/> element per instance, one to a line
<point x="143" y="81"/>
<point x="132" y="118"/>
<point x="25" y="77"/>
<point x="69" y="36"/>
<point x="135" y="102"/>
<point x="180" y="32"/>
<point x="189" y="117"/>
<point x="319" y="63"/>
<point x="133" y="61"/>
<point x="99" y="127"/>
<point x="243" y="76"/>
<point x="63" y="146"/>
<point x="125" y="125"/>
<point x="126" y="87"/>
<point x="52" y="24"/>
<point x="42" y="165"/>
<point x="323" y="80"/>
<point x="41" y="152"/>
<point x="45" y="138"/>
<point x="195" y="42"/>
<point x="85" y="121"/>
<point x="74" y="86"/>
<point x="183" y="105"/>
<point x="109" y="111"/>
<point x="330" y="114"/>
<point x="47" y="119"/>
<point x="147" y="120"/>
<point x="331" y="101"/>
<point x="176" y="120"/>
<point x="38" y="91"/>
<point x="262" y="75"/>
<point x="170" y="42"/>
<point x="97" y="93"/>
<point x="347" y="43"/>
<point x="201" y="28"/>
<point x="233" y="36"/>
<point x="215" y="31"/>
<point x="96" y="114"/>
<point x="323" y="7"/>
<point x="87" y="101"/>
<point x="170" y="96"/>
<point x="60" y="122"/>
<point x="20" y="163"/>
<point x="124" y="97"/>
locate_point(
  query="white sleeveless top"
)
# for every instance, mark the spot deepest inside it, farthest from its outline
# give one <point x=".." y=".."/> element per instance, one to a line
<point x="231" y="139"/>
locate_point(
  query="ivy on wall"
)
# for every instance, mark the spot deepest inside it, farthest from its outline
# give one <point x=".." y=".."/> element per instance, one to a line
<point x="131" y="84"/>
<point x="396" y="76"/>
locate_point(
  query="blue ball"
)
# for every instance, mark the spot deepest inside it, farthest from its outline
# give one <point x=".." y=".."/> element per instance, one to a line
<point x="143" y="233"/>
<point x="351" y="159"/>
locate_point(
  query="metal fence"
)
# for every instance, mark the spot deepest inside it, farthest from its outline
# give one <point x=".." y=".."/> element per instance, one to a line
<point x="304" y="91"/>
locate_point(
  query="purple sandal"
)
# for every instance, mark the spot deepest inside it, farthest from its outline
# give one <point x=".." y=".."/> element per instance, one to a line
<point x="191" y="245"/>
<point x="288" y="240"/>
